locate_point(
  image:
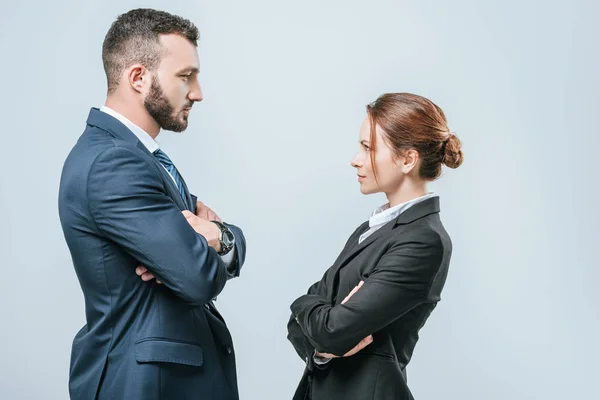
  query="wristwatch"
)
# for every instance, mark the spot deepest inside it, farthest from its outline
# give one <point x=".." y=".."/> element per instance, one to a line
<point x="227" y="238"/>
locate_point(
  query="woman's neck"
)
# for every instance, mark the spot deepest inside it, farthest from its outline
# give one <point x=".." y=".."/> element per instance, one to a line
<point x="407" y="191"/>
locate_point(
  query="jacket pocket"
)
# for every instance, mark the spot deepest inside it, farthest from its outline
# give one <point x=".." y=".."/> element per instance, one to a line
<point x="168" y="350"/>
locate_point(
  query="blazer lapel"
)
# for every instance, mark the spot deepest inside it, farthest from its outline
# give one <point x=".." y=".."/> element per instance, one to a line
<point x="415" y="212"/>
<point x="355" y="249"/>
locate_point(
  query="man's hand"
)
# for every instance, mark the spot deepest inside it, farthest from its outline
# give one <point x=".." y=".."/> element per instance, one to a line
<point x="201" y="225"/>
<point x="362" y="344"/>
<point x="209" y="230"/>
<point x="145" y="274"/>
<point x="204" y="212"/>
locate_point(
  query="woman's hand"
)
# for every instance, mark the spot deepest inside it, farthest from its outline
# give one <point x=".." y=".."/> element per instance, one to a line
<point x="362" y="344"/>
<point x="353" y="291"/>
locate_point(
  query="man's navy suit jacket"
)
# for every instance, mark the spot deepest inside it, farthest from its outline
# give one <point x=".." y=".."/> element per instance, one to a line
<point x="119" y="208"/>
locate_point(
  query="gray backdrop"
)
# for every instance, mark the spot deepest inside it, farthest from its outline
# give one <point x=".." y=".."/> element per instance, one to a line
<point x="269" y="149"/>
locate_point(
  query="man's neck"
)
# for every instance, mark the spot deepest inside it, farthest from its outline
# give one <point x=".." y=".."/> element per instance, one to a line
<point x="131" y="110"/>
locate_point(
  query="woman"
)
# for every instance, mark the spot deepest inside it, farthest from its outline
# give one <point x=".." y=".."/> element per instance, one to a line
<point x="357" y="327"/>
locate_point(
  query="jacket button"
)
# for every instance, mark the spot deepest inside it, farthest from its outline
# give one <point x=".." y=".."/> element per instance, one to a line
<point x="228" y="349"/>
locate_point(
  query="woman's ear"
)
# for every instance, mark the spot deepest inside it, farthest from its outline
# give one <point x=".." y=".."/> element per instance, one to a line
<point x="409" y="160"/>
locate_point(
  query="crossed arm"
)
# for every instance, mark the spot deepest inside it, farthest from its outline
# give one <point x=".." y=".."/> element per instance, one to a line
<point x="201" y="222"/>
<point x="399" y="282"/>
<point x="141" y="218"/>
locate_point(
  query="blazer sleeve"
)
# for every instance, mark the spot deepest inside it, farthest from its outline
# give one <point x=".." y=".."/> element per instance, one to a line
<point x="399" y="282"/>
<point x="130" y="207"/>
<point x="302" y="345"/>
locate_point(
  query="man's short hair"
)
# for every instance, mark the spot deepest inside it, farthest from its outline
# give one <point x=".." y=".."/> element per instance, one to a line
<point x="134" y="38"/>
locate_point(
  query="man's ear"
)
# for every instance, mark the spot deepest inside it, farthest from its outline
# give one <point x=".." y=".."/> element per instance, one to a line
<point x="139" y="78"/>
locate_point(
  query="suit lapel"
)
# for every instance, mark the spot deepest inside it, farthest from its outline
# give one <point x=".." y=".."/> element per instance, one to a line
<point x="188" y="195"/>
<point x="116" y="129"/>
<point x="352" y="242"/>
<point x="353" y="249"/>
<point x="358" y="247"/>
<point x="174" y="190"/>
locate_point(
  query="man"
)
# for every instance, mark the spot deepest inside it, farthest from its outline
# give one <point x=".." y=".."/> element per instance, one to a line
<point x="124" y="207"/>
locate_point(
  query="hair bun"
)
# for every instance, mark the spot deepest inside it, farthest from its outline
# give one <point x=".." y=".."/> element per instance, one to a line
<point x="453" y="155"/>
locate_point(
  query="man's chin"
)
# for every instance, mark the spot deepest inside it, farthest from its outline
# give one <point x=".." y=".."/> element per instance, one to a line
<point x="183" y="126"/>
<point x="179" y="129"/>
<point x="180" y="126"/>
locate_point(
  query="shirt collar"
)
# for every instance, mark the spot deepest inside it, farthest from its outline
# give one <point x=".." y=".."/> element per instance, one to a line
<point x="384" y="214"/>
<point x="141" y="134"/>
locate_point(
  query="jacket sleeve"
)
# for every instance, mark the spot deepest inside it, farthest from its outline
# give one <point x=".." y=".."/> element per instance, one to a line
<point x="130" y="207"/>
<point x="399" y="282"/>
<point x="235" y="267"/>
<point x="302" y="345"/>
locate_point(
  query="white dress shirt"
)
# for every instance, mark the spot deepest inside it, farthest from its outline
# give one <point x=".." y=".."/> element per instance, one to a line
<point x="152" y="146"/>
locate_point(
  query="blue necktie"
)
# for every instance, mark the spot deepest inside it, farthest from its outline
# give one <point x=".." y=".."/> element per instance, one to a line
<point x="164" y="159"/>
<point x="169" y="166"/>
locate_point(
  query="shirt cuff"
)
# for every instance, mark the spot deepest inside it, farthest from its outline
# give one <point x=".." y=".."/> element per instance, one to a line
<point x="320" y="360"/>
<point x="228" y="260"/>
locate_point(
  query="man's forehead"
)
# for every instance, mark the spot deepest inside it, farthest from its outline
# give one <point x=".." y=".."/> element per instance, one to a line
<point x="174" y="40"/>
<point x="179" y="52"/>
<point x="179" y="45"/>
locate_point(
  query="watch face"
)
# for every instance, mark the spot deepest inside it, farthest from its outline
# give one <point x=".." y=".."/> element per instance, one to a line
<point x="228" y="238"/>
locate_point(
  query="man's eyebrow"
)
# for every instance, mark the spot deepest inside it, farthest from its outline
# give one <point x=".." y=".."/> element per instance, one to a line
<point x="188" y="69"/>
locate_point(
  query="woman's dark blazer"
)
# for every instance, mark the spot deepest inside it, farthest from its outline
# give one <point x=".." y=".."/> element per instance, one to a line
<point x="404" y="266"/>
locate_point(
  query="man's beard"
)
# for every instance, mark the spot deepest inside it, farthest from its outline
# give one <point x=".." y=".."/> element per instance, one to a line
<point x="162" y="111"/>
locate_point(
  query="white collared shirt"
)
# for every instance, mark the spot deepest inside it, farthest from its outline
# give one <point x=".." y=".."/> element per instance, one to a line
<point x="152" y="146"/>
<point x="141" y="134"/>
<point x="384" y="214"/>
